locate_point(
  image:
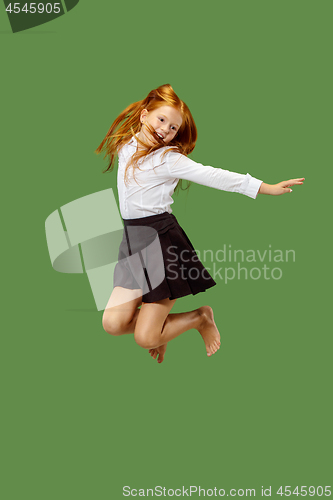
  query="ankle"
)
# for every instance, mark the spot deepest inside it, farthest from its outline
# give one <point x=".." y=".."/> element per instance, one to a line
<point x="202" y="317"/>
<point x="205" y="315"/>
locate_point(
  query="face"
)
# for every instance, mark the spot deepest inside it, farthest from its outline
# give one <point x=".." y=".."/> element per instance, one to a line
<point x="165" y="120"/>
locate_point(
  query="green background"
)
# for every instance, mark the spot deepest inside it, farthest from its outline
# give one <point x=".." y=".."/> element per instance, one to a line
<point x="84" y="413"/>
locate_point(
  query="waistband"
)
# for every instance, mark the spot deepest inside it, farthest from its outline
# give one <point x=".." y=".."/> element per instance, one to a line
<point x="151" y="219"/>
<point x="161" y="223"/>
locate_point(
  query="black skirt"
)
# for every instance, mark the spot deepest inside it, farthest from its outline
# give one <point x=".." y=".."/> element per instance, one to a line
<point x="156" y="256"/>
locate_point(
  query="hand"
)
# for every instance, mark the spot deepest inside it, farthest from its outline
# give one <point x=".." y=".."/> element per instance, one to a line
<point x="280" y="188"/>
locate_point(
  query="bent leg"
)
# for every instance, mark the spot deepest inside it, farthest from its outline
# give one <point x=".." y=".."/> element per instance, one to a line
<point x="155" y="327"/>
<point x="121" y="312"/>
<point x="152" y="325"/>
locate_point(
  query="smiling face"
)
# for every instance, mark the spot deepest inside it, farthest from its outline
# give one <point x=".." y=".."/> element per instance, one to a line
<point x="165" y="120"/>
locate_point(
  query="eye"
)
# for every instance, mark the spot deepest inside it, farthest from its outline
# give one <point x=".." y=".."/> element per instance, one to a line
<point x="161" y="119"/>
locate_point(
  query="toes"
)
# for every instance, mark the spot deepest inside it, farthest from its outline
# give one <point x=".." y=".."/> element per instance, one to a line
<point x="154" y="353"/>
<point x="211" y="349"/>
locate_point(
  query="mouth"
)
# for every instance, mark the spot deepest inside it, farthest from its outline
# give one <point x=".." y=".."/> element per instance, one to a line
<point x="160" y="136"/>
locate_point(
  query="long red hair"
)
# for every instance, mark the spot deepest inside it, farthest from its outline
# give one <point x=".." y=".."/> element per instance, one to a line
<point x="128" y="124"/>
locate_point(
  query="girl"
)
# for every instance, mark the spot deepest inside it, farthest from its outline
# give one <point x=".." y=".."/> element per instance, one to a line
<point x="157" y="262"/>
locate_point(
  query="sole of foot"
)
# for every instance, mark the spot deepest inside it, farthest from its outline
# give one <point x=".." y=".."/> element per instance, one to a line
<point x="208" y="330"/>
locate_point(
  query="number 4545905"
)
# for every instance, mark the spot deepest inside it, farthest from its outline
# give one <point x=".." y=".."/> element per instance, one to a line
<point x="305" y="490"/>
<point x="31" y="8"/>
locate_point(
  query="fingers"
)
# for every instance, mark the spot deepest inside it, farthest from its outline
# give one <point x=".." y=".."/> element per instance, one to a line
<point x="293" y="182"/>
<point x="286" y="186"/>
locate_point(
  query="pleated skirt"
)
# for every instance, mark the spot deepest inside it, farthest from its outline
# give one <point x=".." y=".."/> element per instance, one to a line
<point x="156" y="256"/>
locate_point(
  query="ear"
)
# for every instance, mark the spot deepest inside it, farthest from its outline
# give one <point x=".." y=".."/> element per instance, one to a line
<point x="143" y="115"/>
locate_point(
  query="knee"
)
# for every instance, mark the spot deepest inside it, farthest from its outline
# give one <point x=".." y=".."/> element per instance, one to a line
<point x="112" y="324"/>
<point x="147" y="341"/>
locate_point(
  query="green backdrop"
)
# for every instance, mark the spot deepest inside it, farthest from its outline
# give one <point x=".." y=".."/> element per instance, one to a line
<point x="84" y="413"/>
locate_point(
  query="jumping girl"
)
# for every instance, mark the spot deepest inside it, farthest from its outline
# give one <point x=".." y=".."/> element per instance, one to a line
<point x="152" y="139"/>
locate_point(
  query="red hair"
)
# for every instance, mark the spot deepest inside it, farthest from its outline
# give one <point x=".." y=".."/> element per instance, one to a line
<point x="128" y="124"/>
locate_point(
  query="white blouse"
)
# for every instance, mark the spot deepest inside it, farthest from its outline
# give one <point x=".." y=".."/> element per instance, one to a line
<point x="149" y="191"/>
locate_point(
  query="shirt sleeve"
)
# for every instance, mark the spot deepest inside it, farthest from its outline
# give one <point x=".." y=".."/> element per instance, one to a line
<point x="181" y="167"/>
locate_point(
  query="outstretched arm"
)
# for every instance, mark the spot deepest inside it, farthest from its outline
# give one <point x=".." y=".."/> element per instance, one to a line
<point x="181" y="167"/>
<point x="280" y="188"/>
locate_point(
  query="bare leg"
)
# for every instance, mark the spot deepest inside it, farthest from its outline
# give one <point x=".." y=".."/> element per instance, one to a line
<point x="153" y="326"/>
<point x="122" y="311"/>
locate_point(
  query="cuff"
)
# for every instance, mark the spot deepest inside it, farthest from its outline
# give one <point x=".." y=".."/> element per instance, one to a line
<point x="250" y="186"/>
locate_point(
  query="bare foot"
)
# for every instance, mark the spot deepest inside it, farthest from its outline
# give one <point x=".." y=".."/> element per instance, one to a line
<point x="158" y="351"/>
<point x="208" y="330"/>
